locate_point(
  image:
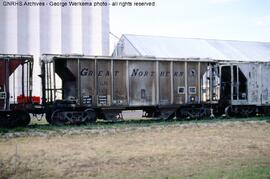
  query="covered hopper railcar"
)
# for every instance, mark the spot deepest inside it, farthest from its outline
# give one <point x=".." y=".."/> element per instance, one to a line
<point x="245" y="88"/>
<point x="82" y="89"/>
<point x="16" y="101"/>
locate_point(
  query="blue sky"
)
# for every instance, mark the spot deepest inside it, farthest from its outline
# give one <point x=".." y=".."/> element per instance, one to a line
<point x="247" y="20"/>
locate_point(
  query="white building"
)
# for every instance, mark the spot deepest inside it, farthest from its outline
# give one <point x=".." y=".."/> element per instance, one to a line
<point x="176" y="47"/>
<point x="53" y="29"/>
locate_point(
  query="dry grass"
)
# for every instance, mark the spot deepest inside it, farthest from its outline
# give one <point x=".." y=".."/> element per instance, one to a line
<point x="162" y="151"/>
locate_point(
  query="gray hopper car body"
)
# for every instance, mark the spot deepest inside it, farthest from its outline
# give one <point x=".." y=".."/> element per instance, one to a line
<point x="109" y="85"/>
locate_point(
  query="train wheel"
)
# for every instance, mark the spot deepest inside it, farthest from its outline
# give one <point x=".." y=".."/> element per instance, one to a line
<point x="58" y="118"/>
<point x="9" y="120"/>
<point x="3" y="121"/>
<point x="228" y="111"/>
<point x="242" y="111"/>
<point x="89" y="116"/>
<point x="48" y="117"/>
<point x="198" y="113"/>
<point x="193" y="112"/>
<point x="23" y="118"/>
<point x="266" y="111"/>
<point x="247" y="112"/>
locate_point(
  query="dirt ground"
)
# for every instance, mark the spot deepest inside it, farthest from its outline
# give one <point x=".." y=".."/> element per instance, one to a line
<point x="173" y="151"/>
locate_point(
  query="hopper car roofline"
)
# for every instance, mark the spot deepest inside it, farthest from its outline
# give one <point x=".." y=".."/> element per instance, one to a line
<point x="242" y="62"/>
<point x="50" y="57"/>
<point x="15" y="56"/>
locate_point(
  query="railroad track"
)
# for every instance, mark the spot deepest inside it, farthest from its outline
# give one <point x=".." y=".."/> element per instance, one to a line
<point x="40" y="128"/>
